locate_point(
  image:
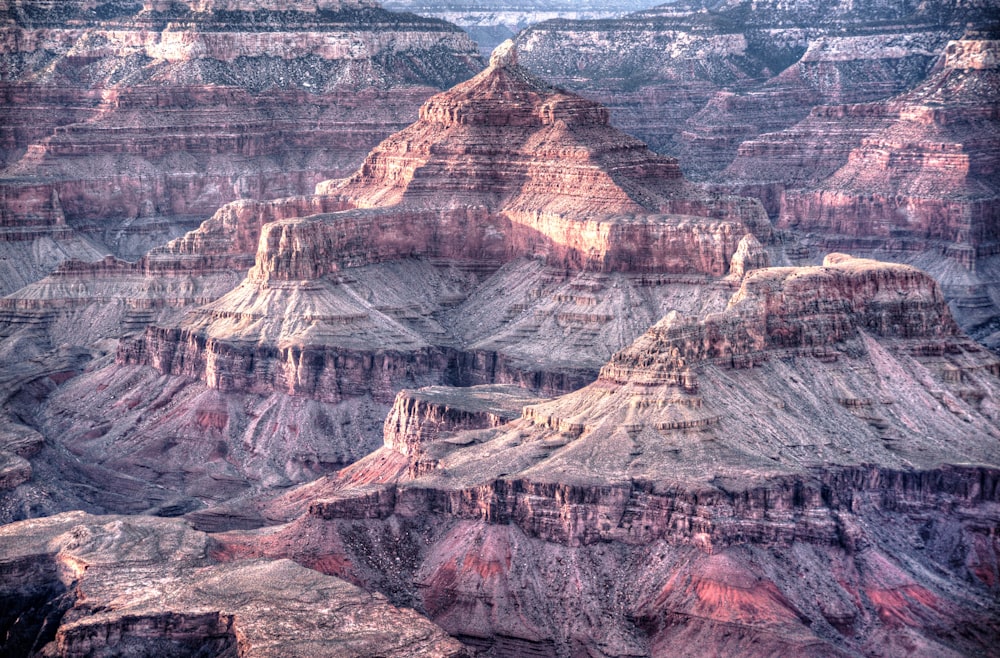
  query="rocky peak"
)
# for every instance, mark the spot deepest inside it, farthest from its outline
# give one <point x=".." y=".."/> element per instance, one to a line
<point x="504" y="55"/>
<point x="506" y="94"/>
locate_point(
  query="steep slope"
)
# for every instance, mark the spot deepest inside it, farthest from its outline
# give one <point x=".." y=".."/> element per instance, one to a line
<point x="813" y="470"/>
<point x="130" y="123"/>
<point x="937" y="160"/>
<point x="519" y="170"/>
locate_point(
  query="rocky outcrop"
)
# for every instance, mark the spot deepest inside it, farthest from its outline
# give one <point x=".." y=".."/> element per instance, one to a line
<point x="80" y="585"/>
<point x="143" y="119"/>
<point x="354" y="296"/>
<point x="695" y="80"/>
<point x="422" y="416"/>
<point x="718" y="475"/>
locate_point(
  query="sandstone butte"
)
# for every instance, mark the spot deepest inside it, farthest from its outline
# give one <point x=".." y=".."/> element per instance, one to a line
<point x="126" y="124"/>
<point x="919" y="185"/>
<point x="799" y="459"/>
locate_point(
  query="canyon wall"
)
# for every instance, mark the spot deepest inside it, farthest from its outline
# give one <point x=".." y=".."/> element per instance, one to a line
<point x="130" y="124"/>
<point x="696" y="80"/>
<point x="699" y="471"/>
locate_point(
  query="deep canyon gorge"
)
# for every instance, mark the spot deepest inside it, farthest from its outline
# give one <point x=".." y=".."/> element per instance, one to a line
<point x="663" y="333"/>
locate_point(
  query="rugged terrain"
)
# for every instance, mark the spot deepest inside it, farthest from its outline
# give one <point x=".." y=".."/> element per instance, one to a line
<point x="914" y="179"/>
<point x="696" y="79"/>
<point x="870" y="129"/>
<point x="490" y="25"/>
<point x="126" y="124"/>
<point x="509" y="383"/>
<point x="813" y="470"/>
<point x="574" y="239"/>
<point x="79" y="585"/>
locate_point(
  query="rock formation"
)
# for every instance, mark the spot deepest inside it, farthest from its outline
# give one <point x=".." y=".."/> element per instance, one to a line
<point x="927" y="176"/>
<point x="79" y="585"/>
<point x="909" y="179"/>
<point x="696" y="79"/>
<point x="813" y="470"/>
<point x="512" y="137"/>
<point x="362" y="290"/>
<point x="126" y="124"/>
<point x="607" y="425"/>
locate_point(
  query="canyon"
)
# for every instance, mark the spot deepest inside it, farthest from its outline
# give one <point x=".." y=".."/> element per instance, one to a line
<point x="128" y="124"/>
<point x="357" y="292"/>
<point x="490" y="26"/>
<point x="476" y="372"/>
<point x="695" y="79"/>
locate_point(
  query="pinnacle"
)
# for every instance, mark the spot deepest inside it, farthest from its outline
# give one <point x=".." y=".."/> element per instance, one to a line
<point x="504" y="55"/>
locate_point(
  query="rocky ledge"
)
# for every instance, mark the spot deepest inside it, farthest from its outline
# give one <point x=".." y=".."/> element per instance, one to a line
<point x="81" y="585"/>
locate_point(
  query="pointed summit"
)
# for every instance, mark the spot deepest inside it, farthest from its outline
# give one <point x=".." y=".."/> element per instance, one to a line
<point x="504" y="55"/>
<point x="509" y="142"/>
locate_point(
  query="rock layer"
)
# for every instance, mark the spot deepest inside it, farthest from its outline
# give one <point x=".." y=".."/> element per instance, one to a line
<point x="718" y="475"/>
<point x="930" y="174"/>
<point x="82" y="585"/>
<point x="511" y="136"/>
<point x="163" y="112"/>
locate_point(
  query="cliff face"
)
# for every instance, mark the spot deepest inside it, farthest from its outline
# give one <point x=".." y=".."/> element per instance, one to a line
<point x="718" y="475"/>
<point x="930" y="174"/>
<point x="141" y="120"/>
<point x="695" y="80"/>
<point x="79" y="585"/>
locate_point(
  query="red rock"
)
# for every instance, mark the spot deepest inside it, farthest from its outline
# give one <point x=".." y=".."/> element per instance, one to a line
<point x="926" y="178"/>
<point x="512" y="135"/>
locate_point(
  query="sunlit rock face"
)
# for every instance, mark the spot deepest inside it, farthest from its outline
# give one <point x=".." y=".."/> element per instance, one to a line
<point x="929" y="173"/>
<point x="126" y="124"/>
<point x="499" y="169"/>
